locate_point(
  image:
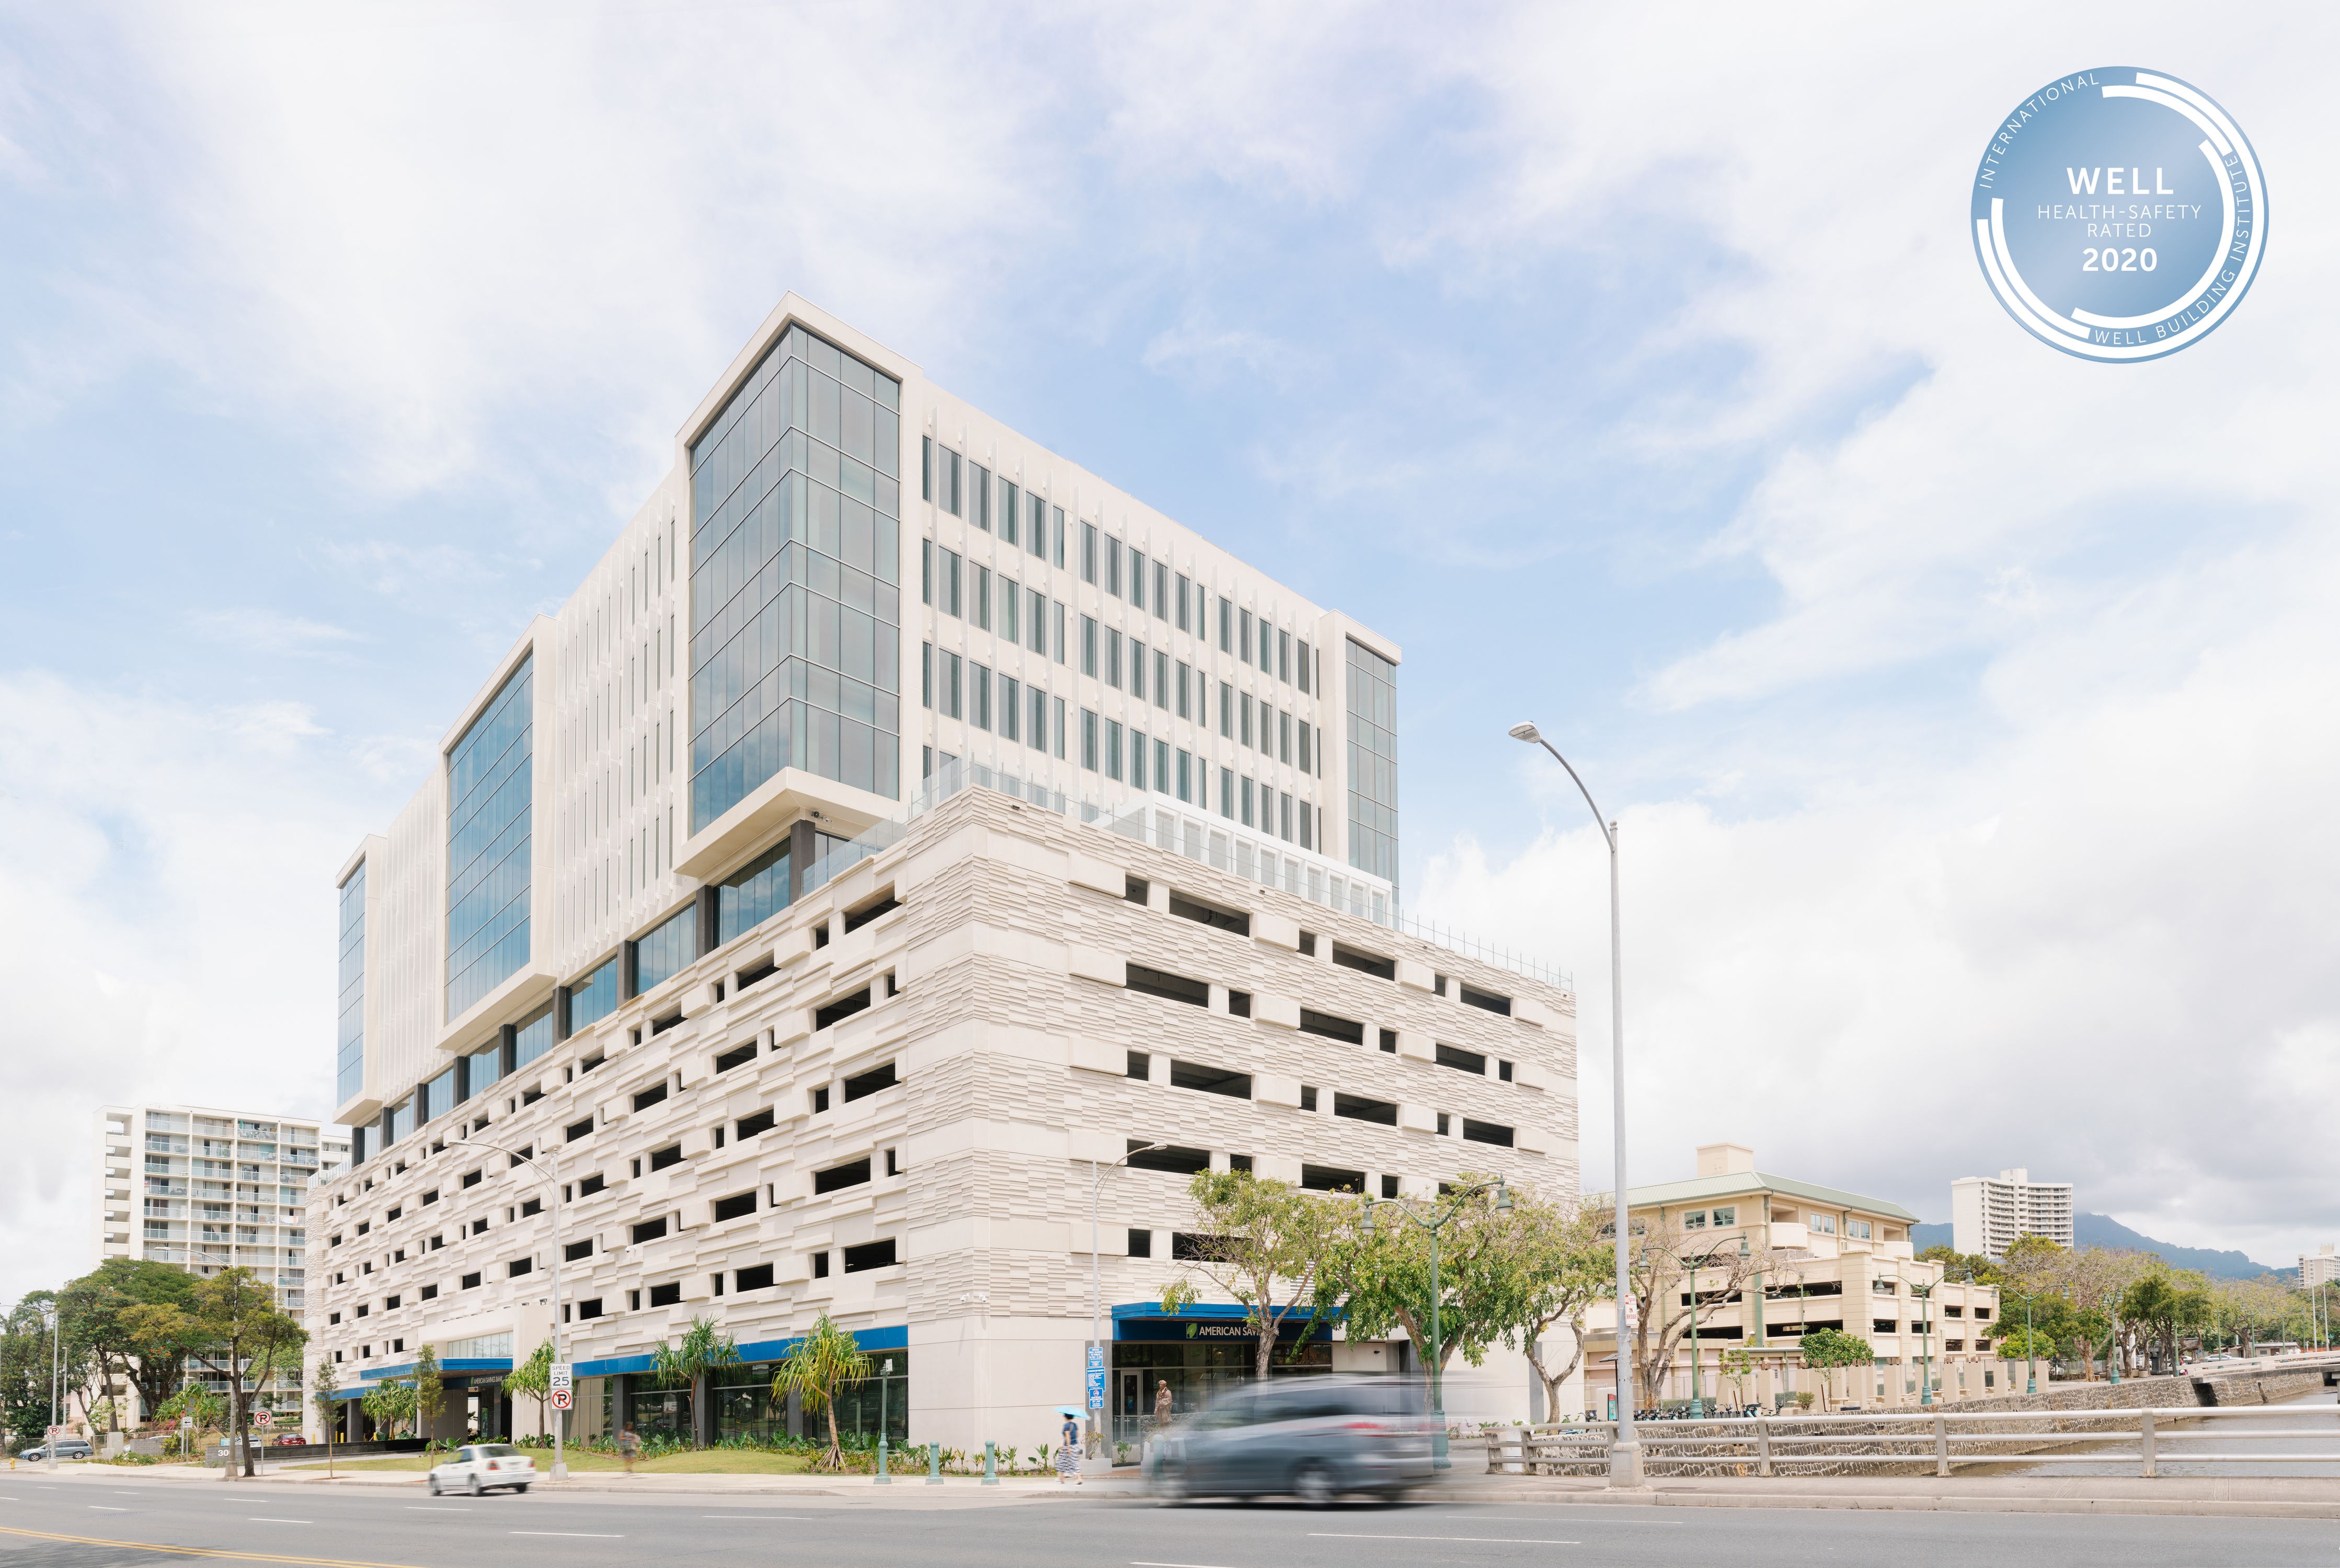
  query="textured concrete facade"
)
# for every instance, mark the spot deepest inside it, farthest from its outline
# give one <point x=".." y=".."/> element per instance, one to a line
<point x="996" y="984"/>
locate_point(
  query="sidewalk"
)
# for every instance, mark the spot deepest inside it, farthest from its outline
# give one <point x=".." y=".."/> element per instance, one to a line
<point x="2267" y="1497"/>
<point x="904" y="1489"/>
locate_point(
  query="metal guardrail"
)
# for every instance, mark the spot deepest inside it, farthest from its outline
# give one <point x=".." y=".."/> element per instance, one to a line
<point x="1770" y="1445"/>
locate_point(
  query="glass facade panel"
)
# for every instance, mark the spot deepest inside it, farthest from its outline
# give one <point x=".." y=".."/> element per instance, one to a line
<point x="795" y="598"/>
<point x="489" y="777"/>
<point x="534" y="1038"/>
<point x="349" y="1057"/>
<point x="661" y="955"/>
<point x="753" y="894"/>
<point x="1372" y="762"/>
<point x="592" y="999"/>
<point x="441" y="1095"/>
<point x="486" y="1066"/>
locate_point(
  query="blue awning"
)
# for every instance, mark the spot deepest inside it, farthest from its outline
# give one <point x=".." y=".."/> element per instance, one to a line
<point x="459" y="1364"/>
<point x="1206" y="1319"/>
<point x="893" y="1338"/>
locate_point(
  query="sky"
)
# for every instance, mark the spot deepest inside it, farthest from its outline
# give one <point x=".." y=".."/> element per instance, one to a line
<point x="1967" y="710"/>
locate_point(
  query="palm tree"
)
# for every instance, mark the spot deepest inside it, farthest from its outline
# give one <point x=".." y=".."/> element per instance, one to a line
<point x="821" y="1362"/>
<point x="704" y="1348"/>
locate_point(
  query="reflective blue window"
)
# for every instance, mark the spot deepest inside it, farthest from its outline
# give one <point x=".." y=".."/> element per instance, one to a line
<point x="441" y="1095"/>
<point x="795" y="602"/>
<point x="402" y="1123"/>
<point x="349" y="1057"/>
<point x="592" y="998"/>
<point x="660" y="956"/>
<point x="489" y="779"/>
<point x="753" y="894"/>
<point x="486" y="1066"/>
<point x="535" y="1037"/>
<point x="1372" y="762"/>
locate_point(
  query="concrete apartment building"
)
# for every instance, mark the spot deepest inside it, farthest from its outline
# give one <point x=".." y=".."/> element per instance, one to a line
<point x="1841" y="1261"/>
<point x="2321" y="1270"/>
<point x="795" y="945"/>
<point x="206" y="1189"/>
<point x="1990" y="1214"/>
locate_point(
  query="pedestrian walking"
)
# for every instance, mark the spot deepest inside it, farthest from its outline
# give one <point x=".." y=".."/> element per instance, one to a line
<point x="1068" y="1454"/>
<point x="1162" y="1403"/>
<point x="630" y="1446"/>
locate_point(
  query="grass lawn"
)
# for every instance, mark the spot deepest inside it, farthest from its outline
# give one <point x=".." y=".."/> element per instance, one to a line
<point x="709" y="1462"/>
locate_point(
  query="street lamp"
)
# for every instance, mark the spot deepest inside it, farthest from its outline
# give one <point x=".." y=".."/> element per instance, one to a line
<point x="2030" y="1352"/>
<point x="1625" y="1454"/>
<point x="1096" y="1311"/>
<point x="1925" y="1295"/>
<point x="549" y="1174"/>
<point x="1433" y="1225"/>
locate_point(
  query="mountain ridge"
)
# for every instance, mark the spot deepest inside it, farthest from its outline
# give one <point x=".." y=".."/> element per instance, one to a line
<point x="2104" y="1230"/>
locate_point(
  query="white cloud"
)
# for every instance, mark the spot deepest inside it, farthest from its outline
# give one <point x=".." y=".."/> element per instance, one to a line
<point x="269" y="631"/>
<point x="166" y="930"/>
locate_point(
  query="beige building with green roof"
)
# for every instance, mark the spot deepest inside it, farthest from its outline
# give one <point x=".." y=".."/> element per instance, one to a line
<point x="1781" y="1258"/>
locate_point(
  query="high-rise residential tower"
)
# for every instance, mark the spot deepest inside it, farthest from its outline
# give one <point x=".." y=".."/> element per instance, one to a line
<point x="206" y="1189"/>
<point x="898" y="820"/>
<point x="1990" y="1214"/>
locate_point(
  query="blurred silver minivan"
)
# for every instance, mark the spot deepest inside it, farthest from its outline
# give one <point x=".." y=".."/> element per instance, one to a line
<point x="1312" y="1436"/>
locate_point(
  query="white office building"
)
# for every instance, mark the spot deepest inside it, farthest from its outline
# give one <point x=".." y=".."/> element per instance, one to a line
<point x="206" y="1189"/>
<point x="898" y="820"/>
<point x="2321" y="1270"/>
<point x="1990" y="1214"/>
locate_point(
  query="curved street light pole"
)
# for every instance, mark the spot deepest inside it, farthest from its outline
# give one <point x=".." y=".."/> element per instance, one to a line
<point x="1625" y="1454"/>
<point x="549" y="1174"/>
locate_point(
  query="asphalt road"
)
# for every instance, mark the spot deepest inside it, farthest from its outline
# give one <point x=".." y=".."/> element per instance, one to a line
<point x="93" y="1522"/>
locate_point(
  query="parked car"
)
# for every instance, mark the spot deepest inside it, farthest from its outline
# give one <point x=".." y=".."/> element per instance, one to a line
<point x="483" y="1467"/>
<point x="67" y="1448"/>
<point x="1314" y="1436"/>
<point x="289" y="1440"/>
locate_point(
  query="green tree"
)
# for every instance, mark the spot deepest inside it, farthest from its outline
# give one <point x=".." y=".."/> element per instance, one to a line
<point x="324" y="1392"/>
<point x="2164" y="1306"/>
<point x="1738" y="1369"/>
<point x="702" y="1349"/>
<point x="1961" y="1267"/>
<point x="2021" y="1344"/>
<point x="814" y="1369"/>
<point x="1560" y="1257"/>
<point x="199" y="1403"/>
<point x="430" y="1391"/>
<point x="1268" y="1245"/>
<point x="1385" y="1279"/>
<point x="24" y="1355"/>
<point x="241" y="1333"/>
<point x="1826" y="1349"/>
<point x="533" y="1377"/>
<point x="391" y="1402"/>
<point x="130" y="1314"/>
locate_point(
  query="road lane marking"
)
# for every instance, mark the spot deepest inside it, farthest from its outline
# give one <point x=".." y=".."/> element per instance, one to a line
<point x="103" y="1508"/>
<point x="264" y="1519"/>
<point x="197" y="1551"/>
<point x="1487" y="1541"/>
<point x="572" y="1535"/>
<point x="1139" y="1563"/>
<point x="433" y="1508"/>
<point x="799" y="1518"/>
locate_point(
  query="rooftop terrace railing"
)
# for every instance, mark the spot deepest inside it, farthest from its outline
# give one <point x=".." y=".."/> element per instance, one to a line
<point x="1212" y="840"/>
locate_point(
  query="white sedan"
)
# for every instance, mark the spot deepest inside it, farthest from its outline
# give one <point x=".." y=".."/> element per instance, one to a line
<point x="483" y="1466"/>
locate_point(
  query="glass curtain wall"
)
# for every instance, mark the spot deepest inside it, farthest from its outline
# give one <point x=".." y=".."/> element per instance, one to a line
<point x="349" y="1060"/>
<point x="795" y="597"/>
<point x="1372" y="762"/>
<point x="489" y="780"/>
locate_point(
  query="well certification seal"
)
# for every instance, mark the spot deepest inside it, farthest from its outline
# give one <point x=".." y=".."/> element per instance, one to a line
<point x="2119" y="214"/>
